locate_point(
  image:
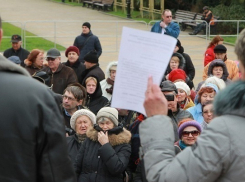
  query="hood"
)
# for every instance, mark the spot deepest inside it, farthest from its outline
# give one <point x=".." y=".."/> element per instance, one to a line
<point x="123" y="137"/>
<point x="8" y="66"/>
<point x="182" y="62"/>
<point x="231" y="100"/>
<point x="218" y="62"/>
<point x="113" y="63"/>
<point x="98" y="91"/>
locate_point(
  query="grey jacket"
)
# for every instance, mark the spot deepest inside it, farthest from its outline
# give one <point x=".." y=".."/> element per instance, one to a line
<point x="219" y="154"/>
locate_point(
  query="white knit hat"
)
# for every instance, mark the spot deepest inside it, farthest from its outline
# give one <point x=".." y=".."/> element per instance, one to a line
<point x="110" y="113"/>
<point x="82" y="112"/>
<point x="183" y="86"/>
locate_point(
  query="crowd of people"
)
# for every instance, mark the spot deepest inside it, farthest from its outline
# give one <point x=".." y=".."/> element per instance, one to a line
<point x="72" y="134"/>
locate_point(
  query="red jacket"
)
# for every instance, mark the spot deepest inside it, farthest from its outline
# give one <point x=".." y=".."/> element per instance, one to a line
<point x="209" y="55"/>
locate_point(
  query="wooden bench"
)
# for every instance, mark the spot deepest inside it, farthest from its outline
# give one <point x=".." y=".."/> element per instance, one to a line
<point x="186" y="17"/>
<point x="90" y="3"/>
<point x="105" y="5"/>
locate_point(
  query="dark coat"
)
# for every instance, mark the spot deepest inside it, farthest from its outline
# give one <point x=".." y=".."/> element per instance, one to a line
<point x="79" y="68"/>
<point x="93" y="71"/>
<point x="105" y="163"/>
<point x="21" y="53"/>
<point x="60" y="79"/>
<point x="32" y="69"/>
<point x="33" y="144"/>
<point x="73" y="147"/>
<point x="96" y="101"/>
<point x="85" y="46"/>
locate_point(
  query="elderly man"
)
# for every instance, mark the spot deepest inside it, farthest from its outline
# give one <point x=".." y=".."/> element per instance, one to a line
<point x="17" y="50"/>
<point x="166" y="25"/>
<point x="220" y="53"/>
<point x="60" y="75"/>
<point x="87" y="42"/>
<point x="176" y="114"/>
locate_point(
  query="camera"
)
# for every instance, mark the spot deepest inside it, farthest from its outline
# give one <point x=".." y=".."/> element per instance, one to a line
<point x="169" y="97"/>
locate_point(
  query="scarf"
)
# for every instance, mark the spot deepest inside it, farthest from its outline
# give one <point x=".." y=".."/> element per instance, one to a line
<point x="81" y="138"/>
<point x="182" y="145"/>
<point x="111" y="82"/>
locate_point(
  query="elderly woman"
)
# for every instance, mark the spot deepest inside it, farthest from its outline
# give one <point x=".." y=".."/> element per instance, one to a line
<point x="207" y="113"/>
<point x="81" y="121"/>
<point x="104" y="155"/>
<point x="184" y="93"/>
<point x="206" y="93"/>
<point x="34" y="61"/>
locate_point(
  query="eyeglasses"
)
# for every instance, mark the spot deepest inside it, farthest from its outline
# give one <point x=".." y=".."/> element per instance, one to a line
<point x="193" y="133"/>
<point x="168" y="16"/>
<point x="69" y="98"/>
<point x="50" y="59"/>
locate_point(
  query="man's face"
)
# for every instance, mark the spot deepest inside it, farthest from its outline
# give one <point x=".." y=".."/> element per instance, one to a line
<point x="69" y="102"/>
<point x="85" y="30"/>
<point x="167" y="17"/>
<point x="87" y="64"/>
<point x="220" y="56"/>
<point x="172" y="105"/>
<point x="53" y="63"/>
<point x="16" y="45"/>
<point x="72" y="57"/>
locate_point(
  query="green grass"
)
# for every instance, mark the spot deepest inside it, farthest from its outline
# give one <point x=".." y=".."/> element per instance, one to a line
<point x="31" y="43"/>
<point x="228" y="39"/>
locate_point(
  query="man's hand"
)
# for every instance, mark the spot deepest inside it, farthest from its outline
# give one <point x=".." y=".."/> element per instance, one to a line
<point x="103" y="138"/>
<point x="163" y="25"/>
<point x="155" y="103"/>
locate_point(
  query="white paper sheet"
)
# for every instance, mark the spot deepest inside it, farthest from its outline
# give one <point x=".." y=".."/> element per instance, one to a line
<point x="142" y="54"/>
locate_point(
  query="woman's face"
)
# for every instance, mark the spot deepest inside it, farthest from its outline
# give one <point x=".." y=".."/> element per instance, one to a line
<point x="72" y="56"/>
<point x="208" y="113"/>
<point x="107" y="124"/>
<point x="82" y="124"/>
<point x="39" y="60"/>
<point x="189" y="135"/>
<point x="173" y="64"/>
<point x="218" y="71"/>
<point x="207" y="97"/>
<point x="91" y="86"/>
<point x="181" y="95"/>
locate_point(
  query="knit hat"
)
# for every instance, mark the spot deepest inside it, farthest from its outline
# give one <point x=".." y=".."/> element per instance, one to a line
<point x="108" y="112"/>
<point x="91" y="57"/>
<point x="177" y="74"/>
<point x="82" y="112"/>
<point x="220" y="49"/>
<point x="87" y="24"/>
<point x="189" y="123"/>
<point x="15" y="59"/>
<point x="178" y="44"/>
<point x="213" y="86"/>
<point x="183" y="86"/>
<point x="53" y="53"/>
<point x="72" y="48"/>
<point x="168" y="86"/>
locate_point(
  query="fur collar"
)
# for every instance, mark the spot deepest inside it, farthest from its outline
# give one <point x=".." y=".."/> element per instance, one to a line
<point x="122" y="138"/>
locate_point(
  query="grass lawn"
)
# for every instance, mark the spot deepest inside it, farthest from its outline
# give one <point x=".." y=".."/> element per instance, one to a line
<point x="31" y="43"/>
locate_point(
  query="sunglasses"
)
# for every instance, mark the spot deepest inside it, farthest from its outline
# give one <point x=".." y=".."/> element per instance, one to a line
<point x="193" y="133"/>
<point x="50" y="59"/>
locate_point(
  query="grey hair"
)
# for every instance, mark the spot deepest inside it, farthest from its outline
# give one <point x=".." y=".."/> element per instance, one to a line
<point x="240" y="47"/>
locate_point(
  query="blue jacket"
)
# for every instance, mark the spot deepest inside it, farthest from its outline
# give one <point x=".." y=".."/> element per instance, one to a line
<point x="172" y="29"/>
<point x="196" y="112"/>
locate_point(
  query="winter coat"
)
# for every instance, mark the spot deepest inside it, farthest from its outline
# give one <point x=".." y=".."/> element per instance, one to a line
<point x="21" y="53"/>
<point x="104" y="163"/>
<point x="61" y="78"/>
<point x="96" y="101"/>
<point x="32" y="69"/>
<point x="231" y="67"/>
<point x="224" y="156"/>
<point x="33" y="144"/>
<point x="189" y="104"/>
<point x="86" y="43"/>
<point x="78" y="68"/>
<point x="172" y="29"/>
<point x="209" y="55"/>
<point x="93" y="71"/>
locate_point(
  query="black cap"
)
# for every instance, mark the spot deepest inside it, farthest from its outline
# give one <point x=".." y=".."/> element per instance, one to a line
<point x="53" y="53"/>
<point x="91" y="57"/>
<point x="220" y="49"/>
<point x="87" y="24"/>
<point x="15" y="38"/>
<point x="168" y="86"/>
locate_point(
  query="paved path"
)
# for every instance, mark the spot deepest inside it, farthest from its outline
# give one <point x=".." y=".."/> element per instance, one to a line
<point x="42" y="13"/>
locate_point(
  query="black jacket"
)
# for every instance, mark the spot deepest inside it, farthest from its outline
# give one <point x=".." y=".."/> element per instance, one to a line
<point x="33" y="144"/>
<point x="73" y="147"/>
<point x="93" y="71"/>
<point x="105" y="163"/>
<point x="86" y="43"/>
<point x="21" y="53"/>
<point x="79" y="68"/>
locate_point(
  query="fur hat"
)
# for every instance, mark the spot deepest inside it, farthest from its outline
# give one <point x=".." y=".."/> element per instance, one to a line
<point x="108" y="112"/>
<point x="82" y="112"/>
<point x="91" y="57"/>
<point x="220" y="49"/>
<point x="72" y="48"/>
<point x="87" y="24"/>
<point x="183" y="86"/>
<point x="177" y="74"/>
<point x="189" y="123"/>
